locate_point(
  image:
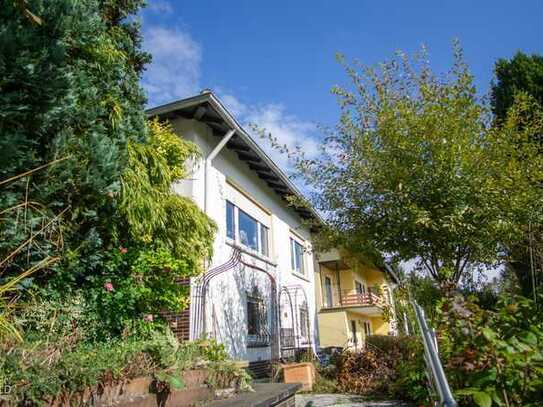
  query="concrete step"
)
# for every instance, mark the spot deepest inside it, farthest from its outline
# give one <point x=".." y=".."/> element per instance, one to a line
<point x="342" y="400"/>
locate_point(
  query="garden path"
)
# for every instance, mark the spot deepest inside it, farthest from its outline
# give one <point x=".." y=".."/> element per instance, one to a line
<point x="342" y="400"/>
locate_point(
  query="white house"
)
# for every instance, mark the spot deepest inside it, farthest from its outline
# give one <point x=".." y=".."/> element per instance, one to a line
<point x="258" y="294"/>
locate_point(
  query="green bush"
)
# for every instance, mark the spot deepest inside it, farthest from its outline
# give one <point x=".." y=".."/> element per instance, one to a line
<point x="41" y="371"/>
<point x="493" y="357"/>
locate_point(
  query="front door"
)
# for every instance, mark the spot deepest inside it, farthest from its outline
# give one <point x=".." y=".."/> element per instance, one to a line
<point x="353" y="333"/>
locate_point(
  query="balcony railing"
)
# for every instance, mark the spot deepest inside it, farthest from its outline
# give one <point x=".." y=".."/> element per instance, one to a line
<point x="350" y="298"/>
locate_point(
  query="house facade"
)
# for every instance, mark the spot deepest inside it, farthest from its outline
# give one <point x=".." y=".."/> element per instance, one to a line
<point x="265" y="293"/>
<point x="257" y="296"/>
<point x="353" y="301"/>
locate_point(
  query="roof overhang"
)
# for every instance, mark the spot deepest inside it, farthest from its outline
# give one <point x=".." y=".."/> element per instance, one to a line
<point x="208" y="109"/>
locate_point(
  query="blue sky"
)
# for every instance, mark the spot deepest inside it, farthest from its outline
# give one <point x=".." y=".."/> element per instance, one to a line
<point x="273" y="62"/>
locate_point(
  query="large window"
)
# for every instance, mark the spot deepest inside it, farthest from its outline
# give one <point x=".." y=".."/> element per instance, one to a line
<point x="297" y="257"/>
<point x="246" y="230"/>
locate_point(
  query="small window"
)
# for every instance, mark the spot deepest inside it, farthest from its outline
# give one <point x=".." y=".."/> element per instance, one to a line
<point x="328" y="291"/>
<point x="257" y="321"/>
<point x="304" y="323"/>
<point x="360" y="289"/>
<point x="230" y="225"/>
<point x="248" y="230"/>
<point x="264" y="238"/>
<point x="297" y="257"/>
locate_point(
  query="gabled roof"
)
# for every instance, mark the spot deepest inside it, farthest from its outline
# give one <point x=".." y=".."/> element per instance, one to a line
<point x="207" y="108"/>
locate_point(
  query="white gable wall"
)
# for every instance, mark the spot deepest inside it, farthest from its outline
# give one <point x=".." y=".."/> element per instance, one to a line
<point x="230" y="178"/>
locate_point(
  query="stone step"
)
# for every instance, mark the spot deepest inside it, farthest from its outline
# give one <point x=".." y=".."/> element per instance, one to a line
<point x="343" y="400"/>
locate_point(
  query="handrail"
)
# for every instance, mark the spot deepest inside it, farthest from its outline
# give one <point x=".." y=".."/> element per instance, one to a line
<point x="342" y="298"/>
<point x="431" y="357"/>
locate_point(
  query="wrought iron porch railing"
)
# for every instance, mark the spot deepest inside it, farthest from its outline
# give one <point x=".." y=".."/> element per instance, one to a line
<point x="351" y="298"/>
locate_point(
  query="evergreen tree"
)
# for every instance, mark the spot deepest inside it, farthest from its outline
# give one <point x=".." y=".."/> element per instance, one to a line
<point x="69" y="91"/>
<point x="521" y="74"/>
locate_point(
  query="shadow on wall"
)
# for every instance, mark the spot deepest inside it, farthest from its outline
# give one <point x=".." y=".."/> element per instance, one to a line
<point x="226" y="313"/>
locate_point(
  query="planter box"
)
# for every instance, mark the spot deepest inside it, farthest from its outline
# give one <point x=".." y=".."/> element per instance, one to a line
<point x="142" y="392"/>
<point x="303" y="373"/>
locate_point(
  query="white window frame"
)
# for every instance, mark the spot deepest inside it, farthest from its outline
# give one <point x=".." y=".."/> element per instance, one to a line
<point x="364" y="288"/>
<point x="259" y="226"/>
<point x="293" y="241"/>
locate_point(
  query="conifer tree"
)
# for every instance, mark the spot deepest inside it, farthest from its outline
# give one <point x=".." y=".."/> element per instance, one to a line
<point x="69" y="95"/>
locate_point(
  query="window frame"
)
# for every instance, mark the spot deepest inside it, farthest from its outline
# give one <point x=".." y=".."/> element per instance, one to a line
<point x="257" y="224"/>
<point x="362" y="286"/>
<point x="303" y="266"/>
<point x="260" y="338"/>
<point x="259" y="227"/>
<point x="328" y="292"/>
<point x="305" y="323"/>
<point x="234" y="222"/>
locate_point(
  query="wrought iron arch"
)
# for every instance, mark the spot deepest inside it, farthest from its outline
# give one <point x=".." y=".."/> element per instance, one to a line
<point x="203" y="285"/>
<point x="291" y="292"/>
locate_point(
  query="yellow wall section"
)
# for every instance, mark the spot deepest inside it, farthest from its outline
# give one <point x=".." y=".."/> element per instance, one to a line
<point x="335" y="326"/>
<point x="367" y="276"/>
<point x="333" y="330"/>
<point x="332" y="275"/>
<point x="379" y="326"/>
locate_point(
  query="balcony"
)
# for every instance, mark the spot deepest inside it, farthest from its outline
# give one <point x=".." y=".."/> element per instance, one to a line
<point x="353" y="300"/>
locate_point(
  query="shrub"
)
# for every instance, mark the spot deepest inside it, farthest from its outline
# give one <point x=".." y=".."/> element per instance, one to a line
<point x="41" y="371"/>
<point x="365" y="372"/>
<point x="493" y="357"/>
<point x="388" y="366"/>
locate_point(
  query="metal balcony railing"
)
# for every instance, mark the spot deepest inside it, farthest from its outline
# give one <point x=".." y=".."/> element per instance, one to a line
<point x="350" y="298"/>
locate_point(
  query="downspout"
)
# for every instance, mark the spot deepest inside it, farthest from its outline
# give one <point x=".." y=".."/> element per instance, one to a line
<point x="199" y="320"/>
<point x="209" y="160"/>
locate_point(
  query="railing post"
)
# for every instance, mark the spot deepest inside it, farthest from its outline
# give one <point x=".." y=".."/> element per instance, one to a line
<point x="431" y="356"/>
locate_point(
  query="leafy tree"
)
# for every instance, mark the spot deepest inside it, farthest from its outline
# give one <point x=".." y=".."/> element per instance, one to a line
<point x="165" y="237"/>
<point x="72" y="107"/>
<point x="415" y="168"/>
<point x="521" y="74"/>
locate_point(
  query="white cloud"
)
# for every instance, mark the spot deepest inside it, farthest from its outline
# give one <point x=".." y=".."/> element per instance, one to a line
<point x="174" y="72"/>
<point x="285" y="128"/>
<point x="160" y="6"/>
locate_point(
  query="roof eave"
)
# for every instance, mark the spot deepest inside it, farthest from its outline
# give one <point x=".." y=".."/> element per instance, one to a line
<point x="233" y="124"/>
